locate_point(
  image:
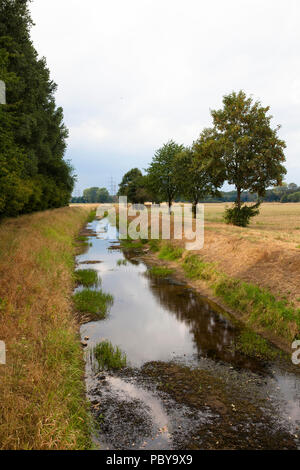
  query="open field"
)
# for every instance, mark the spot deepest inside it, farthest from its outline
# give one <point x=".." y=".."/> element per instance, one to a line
<point x="276" y="222"/>
<point x="42" y="395"/>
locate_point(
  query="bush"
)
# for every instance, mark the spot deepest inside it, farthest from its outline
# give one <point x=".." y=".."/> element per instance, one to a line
<point x="241" y="216"/>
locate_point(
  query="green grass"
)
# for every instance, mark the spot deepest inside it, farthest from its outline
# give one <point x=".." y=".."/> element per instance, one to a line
<point x="154" y="245"/>
<point x="92" y="215"/>
<point x="81" y="239"/>
<point x="122" y="262"/>
<point x="108" y="356"/>
<point x="92" y="302"/>
<point x="170" y="253"/>
<point x="194" y="268"/>
<point x="160" y="271"/>
<point x="131" y="244"/>
<point x="86" y="277"/>
<point x="260" y="305"/>
<point x="251" y="344"/>
<point x="64" y="353"/>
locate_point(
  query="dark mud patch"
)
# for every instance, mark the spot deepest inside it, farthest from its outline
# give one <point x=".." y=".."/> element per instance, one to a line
<point x="242" y="417"/>
<point x="87" y="232"/>
<point x="90" y="262"/>
<point x="114" y="247"/>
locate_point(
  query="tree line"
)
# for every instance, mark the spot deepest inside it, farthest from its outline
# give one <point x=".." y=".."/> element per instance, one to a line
<point x="93" y="195"/>
<point x="33" y="173"/>
<point x="240" y="148"/>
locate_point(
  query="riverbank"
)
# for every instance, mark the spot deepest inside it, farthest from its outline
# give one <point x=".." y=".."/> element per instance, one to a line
<point x="42" y="393"/>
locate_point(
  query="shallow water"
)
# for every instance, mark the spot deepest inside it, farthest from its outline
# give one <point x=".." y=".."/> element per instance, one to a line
<point x="160" y="320"/>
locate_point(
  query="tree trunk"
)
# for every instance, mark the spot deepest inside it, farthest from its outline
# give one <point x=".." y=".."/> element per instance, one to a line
<point x="170" y="205"/>
<point x="238" y="199"/>
<point x="194" y="209"/>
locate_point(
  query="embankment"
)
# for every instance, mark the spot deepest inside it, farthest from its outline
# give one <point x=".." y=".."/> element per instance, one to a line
<point x="42" y="396"/>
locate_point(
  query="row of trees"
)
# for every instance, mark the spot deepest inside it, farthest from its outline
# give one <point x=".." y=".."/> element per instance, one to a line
<point x="241" y="148"/>
<point x="94" y="195"/>
<point x="33" y="172"/>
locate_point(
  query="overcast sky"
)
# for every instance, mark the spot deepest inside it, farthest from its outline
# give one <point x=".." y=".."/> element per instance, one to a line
<point x="133" y="74"/>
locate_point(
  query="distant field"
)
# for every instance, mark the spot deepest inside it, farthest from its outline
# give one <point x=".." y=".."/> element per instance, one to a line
<point x="276" y="221"/>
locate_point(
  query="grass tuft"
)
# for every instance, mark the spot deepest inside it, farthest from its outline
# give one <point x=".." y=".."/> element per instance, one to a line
<point x="122" y="262"/>
<point x="160" y="271"/>
<point x="93" y="302"/>
<point x="252" y="344"/>
<point x="154" y="245"/>
<point x="170" y="253"/>
<point x="108" y="356"/>
<point x="92" y="215"/>
<point x="87" y="277"/>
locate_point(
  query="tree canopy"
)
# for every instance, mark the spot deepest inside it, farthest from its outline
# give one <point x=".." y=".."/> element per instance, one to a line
<point x="250" y="150"/>
<point x="162" y="172"/>
<point x="135" y="187"/>
<point x="197" y="174"/>
<point x="96" y="194"/>
<point x="33" y="172"/>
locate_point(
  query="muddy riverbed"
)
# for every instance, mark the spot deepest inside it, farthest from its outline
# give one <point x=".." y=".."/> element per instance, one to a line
<point x="185" y="386"/>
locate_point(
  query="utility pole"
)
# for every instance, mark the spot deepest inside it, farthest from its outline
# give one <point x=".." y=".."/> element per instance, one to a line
<point x="112" y="187"/>
<point x="2" y="93"/>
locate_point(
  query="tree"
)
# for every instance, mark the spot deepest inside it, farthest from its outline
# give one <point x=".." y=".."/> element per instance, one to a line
<point x="162" y="172"/>
<point x="95" y="194"/>
<point x="32" y="131"/>
<point x="197" y="174"/>
<point x="128" y="180"/>
<point x="250" y="150"/>
<point x="135" y="186"/>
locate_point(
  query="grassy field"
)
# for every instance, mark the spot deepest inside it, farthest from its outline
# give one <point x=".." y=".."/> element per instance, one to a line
<point x="276" y="222"/>
<point x="42" y="394"/>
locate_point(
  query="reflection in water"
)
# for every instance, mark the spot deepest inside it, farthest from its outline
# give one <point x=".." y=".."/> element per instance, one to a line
<point x="213" y="334"/>
<point x="155" y="319"/>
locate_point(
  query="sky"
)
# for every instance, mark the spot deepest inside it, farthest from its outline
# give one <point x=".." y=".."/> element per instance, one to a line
<point x="134" y="74"/>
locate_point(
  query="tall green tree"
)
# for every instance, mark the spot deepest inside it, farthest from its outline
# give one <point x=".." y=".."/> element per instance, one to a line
<point x="162" y="172"/>
<point x="197" y="173"/>
<point x="249" y="148"/>
<point x="128" y="180"/>
<point x="38" y="131"/>
<point x="135" y="187"/>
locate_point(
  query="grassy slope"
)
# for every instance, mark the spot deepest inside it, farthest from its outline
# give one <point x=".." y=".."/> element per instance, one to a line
<point x="41" y="388"/>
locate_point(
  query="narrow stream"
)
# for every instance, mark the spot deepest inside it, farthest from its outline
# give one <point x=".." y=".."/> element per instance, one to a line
<point x="185" y="387"/>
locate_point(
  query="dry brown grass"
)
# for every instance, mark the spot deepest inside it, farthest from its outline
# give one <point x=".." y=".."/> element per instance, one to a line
<point x="267" y="253"/>
<point x="41" y="387"/>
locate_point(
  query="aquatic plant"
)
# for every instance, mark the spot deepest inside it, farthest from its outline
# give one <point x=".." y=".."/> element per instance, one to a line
<point x="87" y="277"/>
<point x="160" y="271"/>
<point x="109" y="356"/>
<point x="93" y="302"/>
